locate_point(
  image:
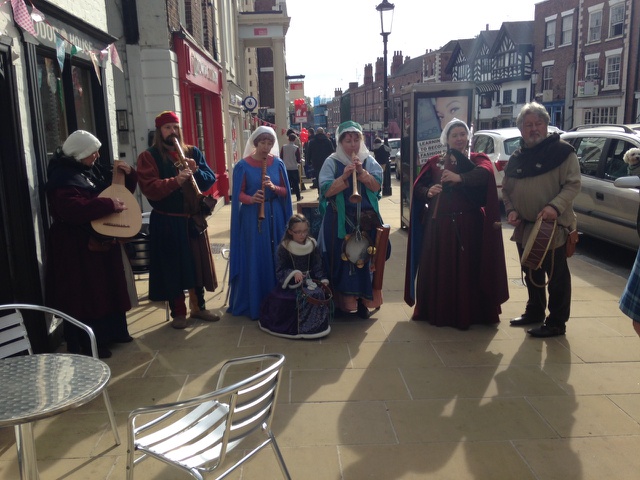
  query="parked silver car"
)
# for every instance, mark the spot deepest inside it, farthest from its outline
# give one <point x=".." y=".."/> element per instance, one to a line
<point x="394" y="144"/>
<point x="604" y="211"/>
<point x="498" y="145"/>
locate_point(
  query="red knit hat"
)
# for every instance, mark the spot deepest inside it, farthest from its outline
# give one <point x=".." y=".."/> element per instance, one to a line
<point x="166" y="117"/>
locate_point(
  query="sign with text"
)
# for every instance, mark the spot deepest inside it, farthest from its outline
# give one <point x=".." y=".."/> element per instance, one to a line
<point x="296" y="90"/>
<point x="300" y="111"/>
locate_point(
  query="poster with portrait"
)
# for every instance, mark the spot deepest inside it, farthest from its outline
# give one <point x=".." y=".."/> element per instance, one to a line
<point x="432" y="112"/>
<point x="427" y="108"/>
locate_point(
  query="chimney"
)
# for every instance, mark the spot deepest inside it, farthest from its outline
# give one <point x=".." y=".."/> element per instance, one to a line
<point x="368" y="74"/>
<point x="353" y="85"/>
<point x="337" y="92"/>
<point x="396" y="63"/>
<point x="379" y="69"/>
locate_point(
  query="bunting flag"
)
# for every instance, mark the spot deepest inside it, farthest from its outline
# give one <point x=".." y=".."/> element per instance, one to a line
<point x="60" y="51"/>
<point x="36" y="15"/>
<point x="115" y="58"/>
<point x="59" y="92"/>
<point x="74" y="50"/>
<point x="104" y="56"/>
<point x="26" y="20"/>
<point x="22" y="17"/>
<point x="96" y="67"/>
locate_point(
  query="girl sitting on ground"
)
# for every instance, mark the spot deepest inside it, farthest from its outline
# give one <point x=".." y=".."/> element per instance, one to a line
<point x="299" y="305"/>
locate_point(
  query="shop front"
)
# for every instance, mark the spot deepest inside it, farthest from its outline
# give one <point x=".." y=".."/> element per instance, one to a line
<point x="201" y="103"/>
<point x="65" y="90"/>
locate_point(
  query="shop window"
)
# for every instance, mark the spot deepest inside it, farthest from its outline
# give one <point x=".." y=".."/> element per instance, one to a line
<point x="199" y="122"/>
<point x="67" y="100"/>
<point x="82" y="98"/>
<point x="50" y="87"/>
<point x="600" y="115"/>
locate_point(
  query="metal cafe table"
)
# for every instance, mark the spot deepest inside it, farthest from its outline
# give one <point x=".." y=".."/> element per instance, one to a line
<point x="40" y="386"/>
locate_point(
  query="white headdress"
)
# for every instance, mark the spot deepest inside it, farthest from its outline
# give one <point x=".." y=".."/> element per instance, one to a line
<point x="250" y="147"/>
<point x="349" y="126"/>
<point x="445" y="131"/>
<point x="80" y="144"/>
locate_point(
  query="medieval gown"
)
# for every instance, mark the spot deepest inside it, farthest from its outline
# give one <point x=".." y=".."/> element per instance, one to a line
<point x="297" y="310"/>
<point x="254" y="243"/>
<point x="179" y="259"/>
<point x="455" y="246"/>
<point x="86" y="284"/>
<point x="339" y="220"/>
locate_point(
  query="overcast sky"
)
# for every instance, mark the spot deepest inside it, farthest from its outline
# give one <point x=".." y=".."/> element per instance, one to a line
<point x="331" y="41"/>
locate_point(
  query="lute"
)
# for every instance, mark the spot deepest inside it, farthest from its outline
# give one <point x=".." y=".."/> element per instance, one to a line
<point x="125" y="224"/>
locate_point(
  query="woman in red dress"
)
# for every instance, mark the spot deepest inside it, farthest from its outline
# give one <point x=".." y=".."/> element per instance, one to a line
<point x="455" y="240"/>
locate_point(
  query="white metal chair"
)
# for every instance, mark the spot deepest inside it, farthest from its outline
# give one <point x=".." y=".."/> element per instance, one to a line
<point x="14" y="339"/>
<point x="225" y="252"/>
<point x="195" y="435"/>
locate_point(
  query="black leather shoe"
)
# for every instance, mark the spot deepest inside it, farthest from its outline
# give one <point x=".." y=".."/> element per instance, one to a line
<point x="104" y="352"/>
<point x="546" y="331"/>
<point x="127" y="339"/>
<point x="526" y="319"/>
<point x="363" y="312"/>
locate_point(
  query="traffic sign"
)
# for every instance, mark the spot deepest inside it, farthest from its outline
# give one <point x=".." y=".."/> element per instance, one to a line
<point x="250" y="103"/>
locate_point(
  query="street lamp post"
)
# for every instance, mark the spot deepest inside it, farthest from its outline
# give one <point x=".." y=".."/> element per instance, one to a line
<point x="386" y="20"/>
<point x="534" y="80"/>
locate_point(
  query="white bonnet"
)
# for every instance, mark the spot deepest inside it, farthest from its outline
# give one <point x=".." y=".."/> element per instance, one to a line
<point x="80" y="144"/>
<point x="249" y="148"/>
<point x="445" y="131"/>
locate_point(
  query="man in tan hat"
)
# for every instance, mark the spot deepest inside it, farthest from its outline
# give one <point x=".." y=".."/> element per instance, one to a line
<point x="180" y="253"/>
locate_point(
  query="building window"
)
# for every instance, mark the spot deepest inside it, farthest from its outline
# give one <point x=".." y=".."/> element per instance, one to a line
<point x="550" y="34"/>
<point x="595" y="26"/>
<point x="506" y="97"/>
<point x="182" y="12"/>
<point x="616" y="16"/>
<point x="521" y="95"/>
<point x="600" y="115"/>
<point x="613" y="71"/>
<point x="547" y="77"/>
<point x="567" y="30"/>
<point x="485" y="100"/>
<point x="591" y="70"/>
<point x="66" y="99"/>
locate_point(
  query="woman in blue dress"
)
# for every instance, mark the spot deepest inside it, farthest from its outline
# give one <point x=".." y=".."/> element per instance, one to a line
<point x="260" y="178"/>
<point x="351" y="280"/>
